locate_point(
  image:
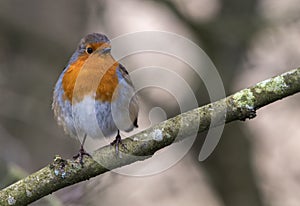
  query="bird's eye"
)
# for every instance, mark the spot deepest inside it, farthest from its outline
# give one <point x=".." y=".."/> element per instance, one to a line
<point x="89" y="50"/>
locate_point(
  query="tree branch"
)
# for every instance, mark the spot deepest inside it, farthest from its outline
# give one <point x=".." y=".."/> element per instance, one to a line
<point x="239" y="106"/>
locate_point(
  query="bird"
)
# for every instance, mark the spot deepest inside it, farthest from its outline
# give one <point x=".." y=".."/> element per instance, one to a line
<point x="94" y="95"/>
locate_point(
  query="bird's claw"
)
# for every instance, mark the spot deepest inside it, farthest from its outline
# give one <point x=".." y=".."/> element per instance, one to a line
<point x="117" y="142"/>
<point x="80" y="155"/>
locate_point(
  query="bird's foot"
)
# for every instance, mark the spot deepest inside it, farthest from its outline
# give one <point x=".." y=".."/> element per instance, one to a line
<point x="81" y="154"/>
<point x="117" y="142"/>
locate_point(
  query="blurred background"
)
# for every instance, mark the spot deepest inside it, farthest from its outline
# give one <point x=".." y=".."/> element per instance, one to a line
<point x="255" y="163"/>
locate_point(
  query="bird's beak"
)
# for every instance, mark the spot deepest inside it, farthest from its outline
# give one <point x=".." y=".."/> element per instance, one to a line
<point x="106" y="50"/>
<point x="103" y="49"/>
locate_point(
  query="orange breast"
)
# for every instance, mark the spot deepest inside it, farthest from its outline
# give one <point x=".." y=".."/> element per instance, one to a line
<point x="91" y="75"/>
<point x="108" y="84"/>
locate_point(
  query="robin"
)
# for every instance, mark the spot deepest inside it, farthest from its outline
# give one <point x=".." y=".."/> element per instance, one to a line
<point x="94" y="96"/>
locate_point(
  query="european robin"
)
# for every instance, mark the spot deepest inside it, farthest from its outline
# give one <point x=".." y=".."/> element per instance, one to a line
<point x="94" y="96"/>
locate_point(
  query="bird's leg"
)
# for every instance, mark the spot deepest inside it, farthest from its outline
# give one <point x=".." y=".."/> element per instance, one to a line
<point x="117" y="142"/>
<point x="81" y="152"/>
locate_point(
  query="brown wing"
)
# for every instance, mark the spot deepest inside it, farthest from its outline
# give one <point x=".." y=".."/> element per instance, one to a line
<point x="133" y="106"/>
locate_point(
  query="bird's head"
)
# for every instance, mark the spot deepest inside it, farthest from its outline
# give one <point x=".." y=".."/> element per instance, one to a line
<point x="94" y="42"/>
<point x="90" y="44"/>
